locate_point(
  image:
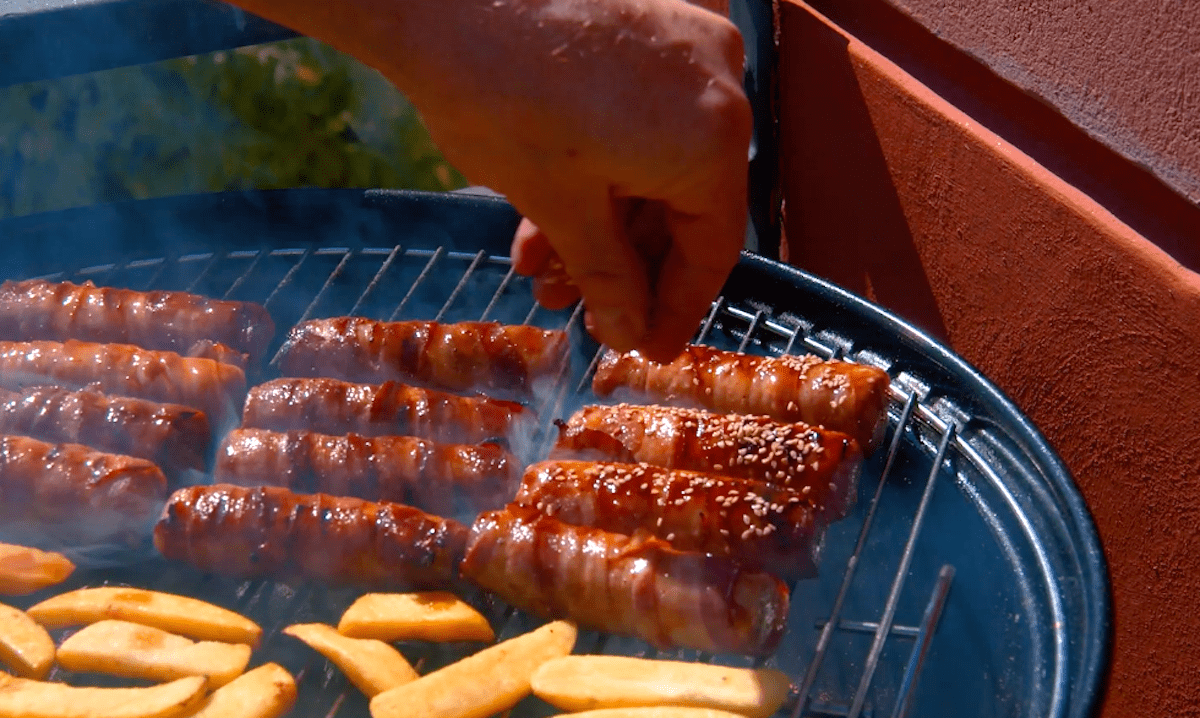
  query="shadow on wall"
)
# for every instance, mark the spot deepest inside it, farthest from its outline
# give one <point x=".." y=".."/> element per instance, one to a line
<point x="835" y="160"/>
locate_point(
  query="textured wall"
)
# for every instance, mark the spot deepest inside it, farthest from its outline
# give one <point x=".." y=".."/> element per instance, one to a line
<point x="896" y="194"/>
<point x="1128" y="73"/>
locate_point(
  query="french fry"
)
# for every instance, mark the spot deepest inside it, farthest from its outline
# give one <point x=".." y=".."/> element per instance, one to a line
<point x="652" y="712"/>
<point x="586" y="683"/>
<point x="178" y="614"/>
<point x="428" y="616"/>
<point x="480" y="685"/>
<point x="24" y="645"/>
<point x="24" y="570"/>
<point x="121" y="648"/>
<point x="372" y="665"/>
<point x="37" y="699"/>
<point x="268" y="691"/>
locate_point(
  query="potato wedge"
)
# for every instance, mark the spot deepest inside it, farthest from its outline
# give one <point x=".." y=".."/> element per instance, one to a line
<point x="37" y="699"/>
<point x="428" y="616"/>
<point x="268" y="691"/>
<point x="24" y="645"/>
<point x="584" y="683"/>
<point x="178" y="614"/>
<point x="24" y="570"/>
<point x="652" y="712"/>
<point x="372" y="665"/>
<point x="121" y="648"/>
<point x="480" y="685"/>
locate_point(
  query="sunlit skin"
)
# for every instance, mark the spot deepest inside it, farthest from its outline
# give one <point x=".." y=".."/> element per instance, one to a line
<point x="618" y="128"/>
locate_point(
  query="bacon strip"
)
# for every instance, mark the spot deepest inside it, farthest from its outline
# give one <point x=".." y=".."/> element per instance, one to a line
<point x="758" y="525"/>
<point x="174" y="437"/>
<point x="126" y="370"/>
<point x="269" y="532"/>
<point x="69" y="495"/>
<point x="493" y="358"/>
<point x="822" y="465"/>
<point x="841" y="396"/>
<point x="173" y="321"/>
<point x="441" y="478"/>
<point x="634" y="586"/>
<point x="332" y="406"/>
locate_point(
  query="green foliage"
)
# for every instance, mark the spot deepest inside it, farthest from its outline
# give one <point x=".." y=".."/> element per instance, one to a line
<point x="288" y="114"/>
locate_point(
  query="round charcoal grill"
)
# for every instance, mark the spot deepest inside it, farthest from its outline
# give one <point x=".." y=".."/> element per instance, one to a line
<point x="968" y="580"/>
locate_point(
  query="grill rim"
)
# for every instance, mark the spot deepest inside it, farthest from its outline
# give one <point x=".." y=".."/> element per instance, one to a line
<point x="472" y="222"/>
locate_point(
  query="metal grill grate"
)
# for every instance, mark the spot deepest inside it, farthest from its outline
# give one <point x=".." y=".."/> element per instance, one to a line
<point x="837" y="671"/>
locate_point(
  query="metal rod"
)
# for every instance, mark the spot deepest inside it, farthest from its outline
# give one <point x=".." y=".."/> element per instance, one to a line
<point x="498" y="293"/>
<point x="532" y="311"/>
<point x="337" y="272"/>
<point x="383" y="268"/>
<point x="810" y="675"/>
<point x="792" y="340"/>
<point x="708" y="321"/>
<point x="479" y="256"/>
<point x="237" y="283"/>
<point x="212" y="262"/>
<point x="162" y="266"/>
<point x="871" y="627"/>
<point x="288" y="277"/>
<point x="889" y="611"/>
<point x="916" y="660"/>
<point x="417" y="282"/>
<point x="750" y="331"/>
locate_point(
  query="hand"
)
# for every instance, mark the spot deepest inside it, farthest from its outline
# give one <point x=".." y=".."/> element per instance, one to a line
<point x="617" y="127"/>
<point x="621" y="132"/>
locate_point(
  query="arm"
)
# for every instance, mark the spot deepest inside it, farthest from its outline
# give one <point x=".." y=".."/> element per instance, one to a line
<point x="618" y="128"/>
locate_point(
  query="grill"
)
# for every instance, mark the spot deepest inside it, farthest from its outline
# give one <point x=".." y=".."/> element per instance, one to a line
<point x="969" y="569"/>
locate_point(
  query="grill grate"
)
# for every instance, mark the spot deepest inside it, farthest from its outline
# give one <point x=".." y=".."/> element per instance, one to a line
<point x="400" y="283"/>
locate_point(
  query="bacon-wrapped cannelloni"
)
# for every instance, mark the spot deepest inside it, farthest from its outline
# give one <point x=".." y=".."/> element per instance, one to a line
<point x="636" y="586"/>
<point x="270" y="532"/>
<point x="822" y="465"/>
<point x="842" y="396"/>
<point x="492" y="358"/>
<point x="333" y="406"/>
<point x="441" y="478"/>
<point x="71" y="495"/>
<point x="174" y="321"/>
<point x="174" y="437"/>
<point x="756" y="524"/>
<point x="125" y="370"/>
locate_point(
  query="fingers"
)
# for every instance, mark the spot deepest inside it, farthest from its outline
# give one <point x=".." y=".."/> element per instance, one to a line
<point x="702" y="254"/>
<point x="531" y="250"/>
<point x="597" y="255"/>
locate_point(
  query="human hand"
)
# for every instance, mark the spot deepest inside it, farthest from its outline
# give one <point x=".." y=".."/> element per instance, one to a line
<point x="617" y="127"/>
<point x="621" y="132"/>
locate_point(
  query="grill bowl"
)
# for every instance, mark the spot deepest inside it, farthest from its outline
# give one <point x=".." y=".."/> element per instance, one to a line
<point x="978" y="570"/>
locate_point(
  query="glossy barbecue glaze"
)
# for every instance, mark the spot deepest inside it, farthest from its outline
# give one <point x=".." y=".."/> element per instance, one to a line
<point x="841" y="396"/>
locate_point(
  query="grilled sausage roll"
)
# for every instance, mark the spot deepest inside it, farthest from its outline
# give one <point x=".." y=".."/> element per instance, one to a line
<point x="270" y="532"/>
<point x="332" y="406"/>
<point x="174" y="437"/>
<point x="758" y="525"/>
<point x="822" y="465"/>
<point x="70" y="495"/>
<point x="435" y="477"/>
<point x="207" y="349"/>
<point x="841" y="396"/>
<point x="493" y="358"/>
<point x="636" y="586"/>
<point x="173" y="321"/>
<point x="123" y="369"/>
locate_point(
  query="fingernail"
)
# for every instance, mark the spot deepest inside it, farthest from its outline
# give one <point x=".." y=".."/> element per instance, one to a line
<point x="620" y="329"/>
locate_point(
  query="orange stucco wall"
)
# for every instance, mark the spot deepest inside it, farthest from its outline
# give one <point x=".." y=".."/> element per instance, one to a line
<point x="894" y="192"/>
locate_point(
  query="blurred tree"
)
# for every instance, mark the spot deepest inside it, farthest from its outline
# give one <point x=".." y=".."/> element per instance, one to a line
<point x="290" y="114"/>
